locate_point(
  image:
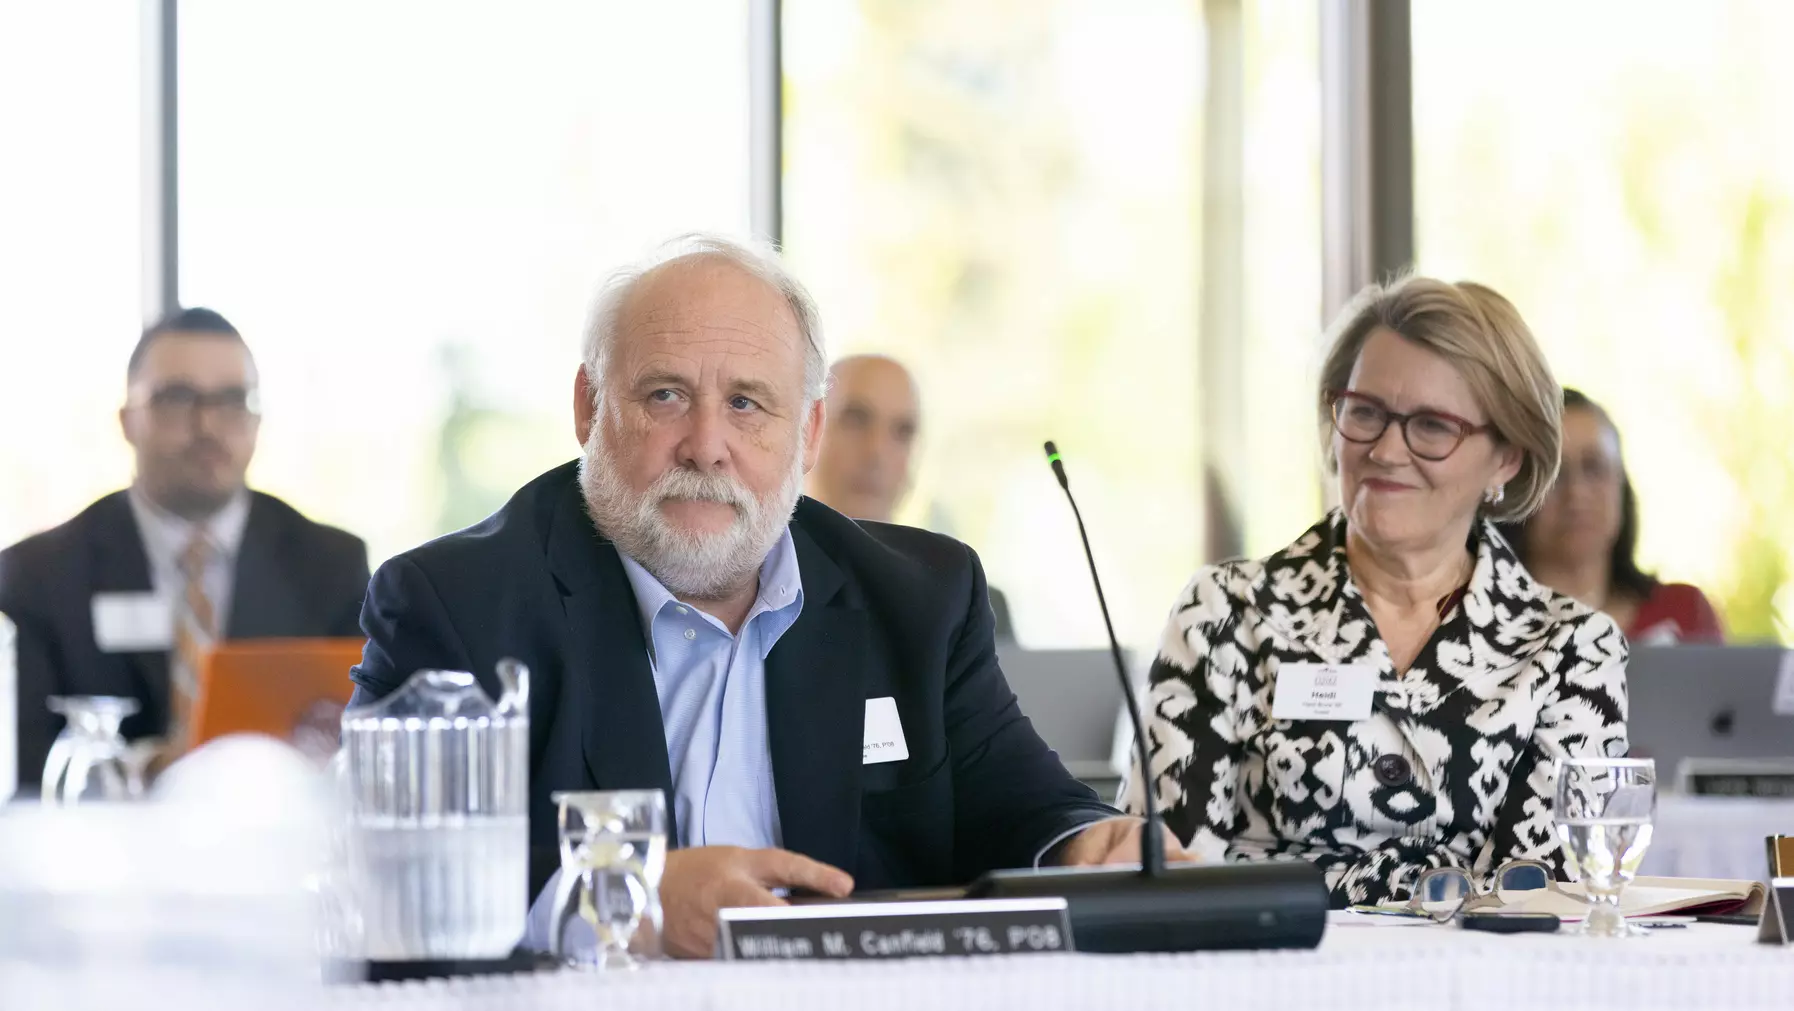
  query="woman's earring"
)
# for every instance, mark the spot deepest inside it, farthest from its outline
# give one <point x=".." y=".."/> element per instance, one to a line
<point x="1494" y="495"/>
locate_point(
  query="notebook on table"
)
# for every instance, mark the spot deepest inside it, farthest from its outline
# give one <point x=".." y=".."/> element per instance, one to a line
<point x="1651" y="896"/>
<point x="1645" y="896"/>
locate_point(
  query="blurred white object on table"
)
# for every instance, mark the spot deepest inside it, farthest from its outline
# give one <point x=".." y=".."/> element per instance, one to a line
<point x="196" y="896"/>
<point x="9" y="709"/>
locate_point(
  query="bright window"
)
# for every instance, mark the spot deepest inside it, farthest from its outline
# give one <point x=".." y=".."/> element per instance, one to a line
<point x="1005" y="197"/>
<point x="70" y="221"/>
<point x="1008" y="197"/>
<point x="1624" y="171"/>
<point x="406" y="206"/>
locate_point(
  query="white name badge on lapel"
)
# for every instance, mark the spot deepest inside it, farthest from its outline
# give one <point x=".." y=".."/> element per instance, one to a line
<point x="884" y="733"/>
<point x="1324" y="691"/>
<point x="132" y="622"/>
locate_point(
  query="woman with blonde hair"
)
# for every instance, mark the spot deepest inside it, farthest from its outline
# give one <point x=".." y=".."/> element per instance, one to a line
<point x="1387" y="695"/>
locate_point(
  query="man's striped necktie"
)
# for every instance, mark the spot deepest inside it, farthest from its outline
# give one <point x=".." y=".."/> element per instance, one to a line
<point x="195" y="632"/>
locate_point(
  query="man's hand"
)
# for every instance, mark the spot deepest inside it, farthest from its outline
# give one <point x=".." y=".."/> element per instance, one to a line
<point x="1114" y="841"/>
<point x="700" y="881"/>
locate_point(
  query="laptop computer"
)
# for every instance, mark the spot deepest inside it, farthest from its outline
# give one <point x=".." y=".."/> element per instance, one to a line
<point x="1072" y="699"/>
<point x="1710" y="702"/>
<point x="290" y="689"/>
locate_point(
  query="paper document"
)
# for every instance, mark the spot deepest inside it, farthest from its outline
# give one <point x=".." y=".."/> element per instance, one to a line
<point x="1651" y="896"/>
<point x="1371" y="916"/>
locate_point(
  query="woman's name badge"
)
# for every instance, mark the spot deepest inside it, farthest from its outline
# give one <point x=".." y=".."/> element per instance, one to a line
<point x="1324" y="691"/>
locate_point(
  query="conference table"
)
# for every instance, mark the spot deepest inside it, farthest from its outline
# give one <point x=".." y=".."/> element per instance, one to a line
<point x="1388" y="968"/>
<point x="1360" y="964"/>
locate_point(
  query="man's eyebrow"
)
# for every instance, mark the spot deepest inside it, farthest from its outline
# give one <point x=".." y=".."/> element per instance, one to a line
<point x="756" y="388"/>
<point x="658" y="378"/>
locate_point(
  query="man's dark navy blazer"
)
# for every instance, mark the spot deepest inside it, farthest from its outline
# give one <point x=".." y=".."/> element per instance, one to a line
<point x="888" y="611"/>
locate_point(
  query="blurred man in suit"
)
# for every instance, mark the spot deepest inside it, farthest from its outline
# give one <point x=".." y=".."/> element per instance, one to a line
<point x="819" y="700"/>
<point x="124" y="598"/>
<point x="874" y="413"/>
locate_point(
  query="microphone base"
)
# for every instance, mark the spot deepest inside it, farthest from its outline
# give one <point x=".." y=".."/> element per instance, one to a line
<point x="1216" y="907"/>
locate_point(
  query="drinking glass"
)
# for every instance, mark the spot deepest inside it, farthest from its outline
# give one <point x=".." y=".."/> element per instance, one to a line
<point x="613" y="850"/>
<point x="89" y="760"/>
<point x="1604" y="811"/>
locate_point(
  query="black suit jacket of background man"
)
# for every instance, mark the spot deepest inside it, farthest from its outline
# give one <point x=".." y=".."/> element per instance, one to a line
<point x="294" y="578"/>
<point x="888" y="611"/>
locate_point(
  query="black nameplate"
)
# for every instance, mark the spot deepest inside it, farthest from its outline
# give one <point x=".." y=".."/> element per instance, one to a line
<point x="845" y="931"/>
<point x="1741" y="784"/>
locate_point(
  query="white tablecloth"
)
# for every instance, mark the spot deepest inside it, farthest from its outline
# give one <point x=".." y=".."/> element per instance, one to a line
<point x="1387" y="968"/>
<point x="1425" y="968"/>
<point x="1715" y="837"/>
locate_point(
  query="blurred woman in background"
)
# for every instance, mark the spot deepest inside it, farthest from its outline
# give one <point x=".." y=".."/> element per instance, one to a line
<point x="1583" y="539"/>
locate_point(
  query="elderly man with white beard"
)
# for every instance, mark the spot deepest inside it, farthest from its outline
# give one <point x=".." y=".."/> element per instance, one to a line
<point x="694" y="625"/>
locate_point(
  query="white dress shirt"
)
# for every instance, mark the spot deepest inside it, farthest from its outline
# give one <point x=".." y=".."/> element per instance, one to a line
<point x="166" y="536"/>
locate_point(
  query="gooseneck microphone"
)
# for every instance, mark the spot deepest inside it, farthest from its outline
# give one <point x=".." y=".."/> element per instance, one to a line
<point x="1152" y="835"/>
<point x="1190" y="907"/>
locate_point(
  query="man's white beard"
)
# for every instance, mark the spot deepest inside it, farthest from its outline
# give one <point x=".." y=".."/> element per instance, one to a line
<point x="700" y="566"/>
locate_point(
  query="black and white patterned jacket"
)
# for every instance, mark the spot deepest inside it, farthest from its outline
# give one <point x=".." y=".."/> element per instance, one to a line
<point x="1516" y="676"/>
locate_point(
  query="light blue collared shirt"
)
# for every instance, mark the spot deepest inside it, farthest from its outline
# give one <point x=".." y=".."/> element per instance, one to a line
<point x="712" y="689"/>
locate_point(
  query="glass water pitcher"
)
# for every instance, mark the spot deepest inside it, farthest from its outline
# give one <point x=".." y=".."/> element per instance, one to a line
<point x="436" y="785"/>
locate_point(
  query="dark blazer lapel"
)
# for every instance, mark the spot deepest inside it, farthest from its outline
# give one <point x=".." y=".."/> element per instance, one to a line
<point x="120" y="562"/>
<point x="610" y="684"/>
<point x="121" y="565"/>
<point x="815" y="713"/>
<point x="264" y="596"/>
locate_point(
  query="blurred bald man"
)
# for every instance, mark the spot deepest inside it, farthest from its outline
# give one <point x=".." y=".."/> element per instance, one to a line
<point x="873" y="415"/>
<point x="869" y="433"/>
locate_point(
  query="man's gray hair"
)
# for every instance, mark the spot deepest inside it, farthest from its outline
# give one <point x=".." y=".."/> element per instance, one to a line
<point x="758" y="260"/>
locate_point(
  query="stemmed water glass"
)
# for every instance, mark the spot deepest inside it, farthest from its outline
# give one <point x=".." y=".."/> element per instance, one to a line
<point x="89" y="760"/>
<point x="613" y="850"/>
<point x="1605" y="807"/>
